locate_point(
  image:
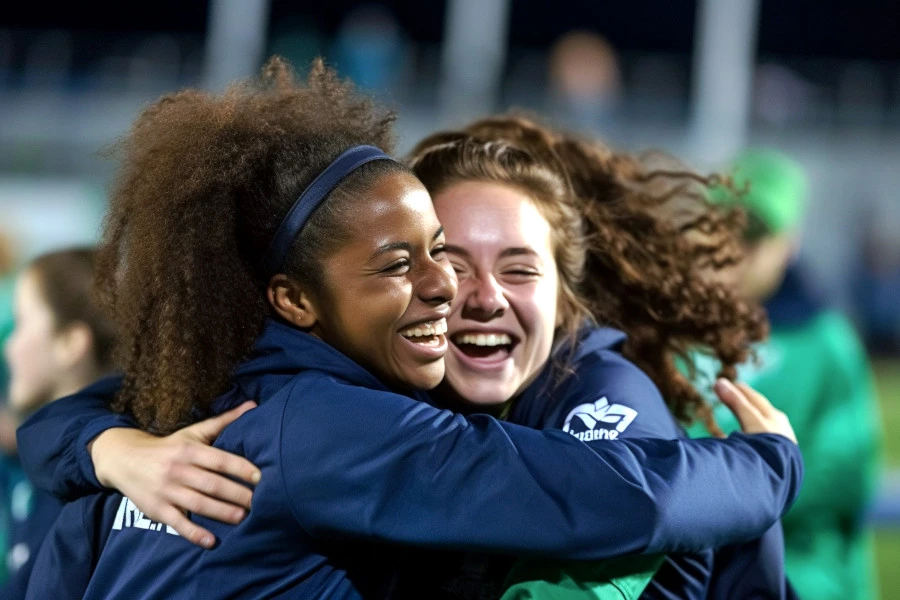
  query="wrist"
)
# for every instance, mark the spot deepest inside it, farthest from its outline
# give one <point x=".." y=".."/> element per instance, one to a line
<point x="106" y="447"/>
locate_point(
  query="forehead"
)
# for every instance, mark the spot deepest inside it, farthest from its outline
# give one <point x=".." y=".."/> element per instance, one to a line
<point x="395" y="203"/>
<point x="481" y="215"/>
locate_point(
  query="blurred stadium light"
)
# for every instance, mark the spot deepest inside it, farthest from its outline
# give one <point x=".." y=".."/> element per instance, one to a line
<point x="473" y="57"/>
<point x="724" y="56"/>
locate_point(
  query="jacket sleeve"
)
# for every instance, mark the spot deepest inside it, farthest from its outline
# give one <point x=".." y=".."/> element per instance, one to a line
<point x="754" y="569"/>
<point x="383" y="467"/>
<point x="53" y="441"/>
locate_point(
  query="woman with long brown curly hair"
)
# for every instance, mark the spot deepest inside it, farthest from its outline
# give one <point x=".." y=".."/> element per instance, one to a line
<point x="552" y="235"/>
<point x="342" y="310"/>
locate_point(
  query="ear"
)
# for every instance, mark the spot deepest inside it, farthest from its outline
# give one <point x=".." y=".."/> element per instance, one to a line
<point x="73" y="344"/>
<point x="292" y="302"/>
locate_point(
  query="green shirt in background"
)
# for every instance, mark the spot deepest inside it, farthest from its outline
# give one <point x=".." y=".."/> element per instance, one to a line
<point x="618" y="579"/>
<point x="816" y="371"/>
<point x="6" y="327"/>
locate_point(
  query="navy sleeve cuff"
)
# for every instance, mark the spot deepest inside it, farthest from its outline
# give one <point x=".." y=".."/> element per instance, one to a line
<point x="92" y="430"/>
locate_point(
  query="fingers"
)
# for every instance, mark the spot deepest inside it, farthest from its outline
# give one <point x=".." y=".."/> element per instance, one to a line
<point x="213" y="484"/>
<point x="207" y="431"/>
<point x="760" y="402"/>
<point x="196" y="503"/>
<point x="222" y="463"/>
<point x="736" y="400"/>
<point x="187" y="529"/>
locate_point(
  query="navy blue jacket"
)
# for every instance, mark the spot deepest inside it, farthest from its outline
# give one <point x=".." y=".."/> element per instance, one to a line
<point x="349" y="466"/>
<point x="602" y="395"/>
<point x="69" y="554"/>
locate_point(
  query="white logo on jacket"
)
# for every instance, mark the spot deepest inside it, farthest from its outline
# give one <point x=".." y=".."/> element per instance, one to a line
<point x="599" y="420"/>
<point x="130" y="515"/>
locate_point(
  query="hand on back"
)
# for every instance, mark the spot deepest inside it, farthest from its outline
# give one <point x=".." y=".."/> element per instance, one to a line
<point x="168" y="477"/>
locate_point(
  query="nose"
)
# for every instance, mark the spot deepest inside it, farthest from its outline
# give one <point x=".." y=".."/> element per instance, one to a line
<point x="485" y="299"/>
<point x="438" y="284"/>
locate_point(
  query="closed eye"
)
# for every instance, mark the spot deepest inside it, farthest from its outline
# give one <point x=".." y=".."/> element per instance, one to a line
<point x="522" y="273"/>
<point x="398" y="266"/>
<point x="439" y="253"/>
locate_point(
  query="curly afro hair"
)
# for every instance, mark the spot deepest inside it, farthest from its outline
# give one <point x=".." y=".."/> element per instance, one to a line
<point x="204" y="182"/>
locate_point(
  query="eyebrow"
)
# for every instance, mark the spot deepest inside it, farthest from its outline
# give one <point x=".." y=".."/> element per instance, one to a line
<point x="518" y="251"/>
<point x="402" y="245"/>
<point x="505" y="253"/>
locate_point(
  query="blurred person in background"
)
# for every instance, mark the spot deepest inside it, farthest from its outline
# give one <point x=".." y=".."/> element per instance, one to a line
<point x="814" y="368"/>
<point x="8" y="464"/>
<point x="876" y="289"/>
<point x="585" y="81"/>
<point x="6" y="305"/>
<point x="60" y="343"/>
<point x="369" y="48"/>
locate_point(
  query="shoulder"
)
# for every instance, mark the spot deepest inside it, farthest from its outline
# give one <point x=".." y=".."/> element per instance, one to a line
<point x="840" y="345"/>
<point x="611" y="396"/>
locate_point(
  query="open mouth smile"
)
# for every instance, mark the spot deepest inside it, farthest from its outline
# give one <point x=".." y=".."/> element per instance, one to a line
<point x="427" y="338"/>
<point x="483" y="349"/>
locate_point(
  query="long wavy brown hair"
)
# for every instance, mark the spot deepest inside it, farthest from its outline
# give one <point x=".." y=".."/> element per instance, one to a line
<point x="204" y="182"/>
<point x="637" y="245"/>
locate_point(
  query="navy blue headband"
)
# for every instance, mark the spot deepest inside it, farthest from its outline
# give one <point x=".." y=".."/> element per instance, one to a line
<point x="311" y="198"/>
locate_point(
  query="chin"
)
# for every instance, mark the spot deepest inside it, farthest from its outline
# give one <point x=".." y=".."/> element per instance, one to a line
<point x="428" y="378"/>
<point x="485" y="396"/>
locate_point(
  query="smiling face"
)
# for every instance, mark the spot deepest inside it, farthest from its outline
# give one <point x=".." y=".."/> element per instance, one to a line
<point x="388" y="289"/>
<point x="504" y="319"/>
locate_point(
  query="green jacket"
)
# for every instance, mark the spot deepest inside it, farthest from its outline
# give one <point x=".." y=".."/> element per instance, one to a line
<point x="815" y="369"/>
<point x="619" y="579"/>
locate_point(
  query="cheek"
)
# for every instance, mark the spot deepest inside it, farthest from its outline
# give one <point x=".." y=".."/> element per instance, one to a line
<point x="368" y="316"/>
<point x="23" y="350"/>
<point x="538" y="308"/>
<point x="31" y="359"/>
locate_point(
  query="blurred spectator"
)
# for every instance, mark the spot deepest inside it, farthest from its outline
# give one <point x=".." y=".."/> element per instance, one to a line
<point x="815" y="369"/>
<point x="876" y="291"/>
<point x="6" y="311"/>
<point x="781" y="96"/>
<point x="60" y="343"/>
<point x="585" y="82"/>
<point x="369" y="48"/>
<point x="7" y="425"/>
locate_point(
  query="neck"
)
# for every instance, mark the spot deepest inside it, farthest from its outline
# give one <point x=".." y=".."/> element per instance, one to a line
<point x="77" y="379"/>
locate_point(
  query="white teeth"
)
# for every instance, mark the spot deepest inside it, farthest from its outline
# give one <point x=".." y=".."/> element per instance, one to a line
<point x="482" y="339"/>
<point x="433" y="328"/>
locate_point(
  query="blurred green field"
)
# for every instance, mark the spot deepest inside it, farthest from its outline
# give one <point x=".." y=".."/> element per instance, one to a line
<point x="887" y="550"/>
<point x="887" y="378"/>
<point x="887" y="541"/>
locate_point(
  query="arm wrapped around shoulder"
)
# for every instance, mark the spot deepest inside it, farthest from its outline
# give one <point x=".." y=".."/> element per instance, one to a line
<point x="719" y="492"/>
